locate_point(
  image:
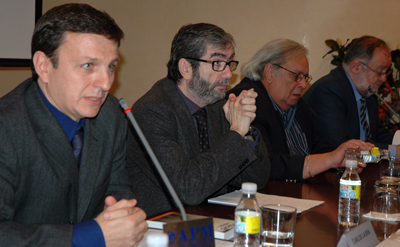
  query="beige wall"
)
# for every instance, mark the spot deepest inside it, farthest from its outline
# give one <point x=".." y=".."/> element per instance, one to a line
<point x="150" y="25"/>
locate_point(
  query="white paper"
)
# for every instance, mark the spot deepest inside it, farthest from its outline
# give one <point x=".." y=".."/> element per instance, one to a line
<point x="232" y="199"/>
<point x="393" y="241"/>
<point x="393" y="217"/>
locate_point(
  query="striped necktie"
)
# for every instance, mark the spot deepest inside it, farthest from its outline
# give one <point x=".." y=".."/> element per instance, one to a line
<point x="364" y="122"/>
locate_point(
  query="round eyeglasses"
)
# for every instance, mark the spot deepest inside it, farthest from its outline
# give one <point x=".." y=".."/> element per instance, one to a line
<point x="218" y="65"/>
<point x="299" y="76"/>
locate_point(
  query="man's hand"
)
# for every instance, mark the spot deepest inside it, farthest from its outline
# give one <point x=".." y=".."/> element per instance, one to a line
<point x="338" y="155"/>
<point x="122" y="223"/>
<point x="241" y="111"/>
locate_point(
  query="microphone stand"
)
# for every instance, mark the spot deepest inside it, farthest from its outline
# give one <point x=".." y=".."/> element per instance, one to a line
<point x="171" y="190"/>
<point x="380" y="98"/>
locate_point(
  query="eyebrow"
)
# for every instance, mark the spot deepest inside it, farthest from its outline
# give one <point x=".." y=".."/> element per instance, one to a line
<point x="216" y="54"/>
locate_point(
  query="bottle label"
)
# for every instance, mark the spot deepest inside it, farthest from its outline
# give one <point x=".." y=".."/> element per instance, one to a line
<point x="247" y="223"/>
<point x="350" y="189"/>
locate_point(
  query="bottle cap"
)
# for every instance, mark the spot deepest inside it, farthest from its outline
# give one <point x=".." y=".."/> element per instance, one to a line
<point x="249" y="188"/>
<point x="351" y="163"/>
<point x="157" y="239"/>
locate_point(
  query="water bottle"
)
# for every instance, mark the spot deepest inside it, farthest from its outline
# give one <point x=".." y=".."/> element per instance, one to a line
<point x="349" y="194"/>
<point x="247" y="218"/>
<point x="157" y="239"/>
<point x="371" y="156"/>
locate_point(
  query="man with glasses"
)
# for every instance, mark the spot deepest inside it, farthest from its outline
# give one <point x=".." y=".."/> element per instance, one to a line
<point x="278" y="72"/>
<point x="342" y="102"/>
<point x="202" y="141"/>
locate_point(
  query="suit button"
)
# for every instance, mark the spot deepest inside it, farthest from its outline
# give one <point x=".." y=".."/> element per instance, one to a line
<point x="72" y="223"/>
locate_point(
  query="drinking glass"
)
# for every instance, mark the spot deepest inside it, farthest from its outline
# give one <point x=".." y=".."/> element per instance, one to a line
<point x="278" y="225"/>
<point x="386" y="199"/>
<point x="390" y="169"/>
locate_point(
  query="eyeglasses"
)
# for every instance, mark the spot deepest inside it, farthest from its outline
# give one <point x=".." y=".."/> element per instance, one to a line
<point x="386" y="73"/>
<point x="218" y="65"/>
<point x="299" y="77"/>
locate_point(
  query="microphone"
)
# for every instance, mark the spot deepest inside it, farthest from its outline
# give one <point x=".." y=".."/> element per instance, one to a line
<point x="160" y="170"/>
<point x="380" y="98"/>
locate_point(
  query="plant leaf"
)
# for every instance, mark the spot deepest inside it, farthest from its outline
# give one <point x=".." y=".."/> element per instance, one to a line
<point x="332" y="44"/>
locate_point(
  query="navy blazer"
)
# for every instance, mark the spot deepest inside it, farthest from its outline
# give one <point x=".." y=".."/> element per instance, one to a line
<point x="270" y="123"/>
<point x="333" y="105"/>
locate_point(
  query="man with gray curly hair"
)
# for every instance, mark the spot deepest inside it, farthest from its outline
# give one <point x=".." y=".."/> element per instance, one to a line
<point x="278" y="72"/>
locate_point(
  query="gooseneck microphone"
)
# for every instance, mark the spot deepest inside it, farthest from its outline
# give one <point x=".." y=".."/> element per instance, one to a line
<point x="164" y="177"/>
<point x="382" y="100"/>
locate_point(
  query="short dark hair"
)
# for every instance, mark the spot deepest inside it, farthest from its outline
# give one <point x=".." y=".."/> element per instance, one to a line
<point x="363" y="48"/>
<point x="49" y="31"/>
<point x="192" y="41"/>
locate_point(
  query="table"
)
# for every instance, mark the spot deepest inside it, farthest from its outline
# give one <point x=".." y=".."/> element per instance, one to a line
<point x="319" y="226"/>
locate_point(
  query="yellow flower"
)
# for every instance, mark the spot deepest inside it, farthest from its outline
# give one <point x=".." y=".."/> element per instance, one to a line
<point x="340" y="42"/>
<point x="398" y="47"/>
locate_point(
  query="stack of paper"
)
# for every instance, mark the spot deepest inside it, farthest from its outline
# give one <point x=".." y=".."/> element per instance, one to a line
<point x="233" y="198"/>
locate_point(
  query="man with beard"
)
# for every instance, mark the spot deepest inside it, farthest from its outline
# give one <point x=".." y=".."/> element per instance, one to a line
<point x="342" y="105"/>
<point x="202" y="141"/>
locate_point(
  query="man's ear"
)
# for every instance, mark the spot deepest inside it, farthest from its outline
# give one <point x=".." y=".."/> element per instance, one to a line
<point x="268" y="72"/>
<point x="42" y="65"/>
<point x="356" y="67"/>
<point x="185" y="68"/>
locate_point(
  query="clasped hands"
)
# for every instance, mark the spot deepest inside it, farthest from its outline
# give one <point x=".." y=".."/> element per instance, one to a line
<point x="122" y="223"/>
<point x="240" y="111"/>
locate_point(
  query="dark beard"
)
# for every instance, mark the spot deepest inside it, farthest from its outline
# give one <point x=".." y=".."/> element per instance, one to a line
<point x="203" y="91"/>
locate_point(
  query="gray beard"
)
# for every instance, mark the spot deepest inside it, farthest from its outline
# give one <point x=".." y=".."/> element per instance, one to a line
<point x="204" y="92"/>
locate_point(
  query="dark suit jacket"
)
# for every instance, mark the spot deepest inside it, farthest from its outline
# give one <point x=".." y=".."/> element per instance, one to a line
<point x="41" y="191"/>
<point x="168" y="125"/>
<point x="333" y="105"/>
<point x="270" y="124"/>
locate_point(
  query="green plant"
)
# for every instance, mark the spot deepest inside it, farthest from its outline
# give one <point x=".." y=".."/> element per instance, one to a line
<point x="336" y="46"/>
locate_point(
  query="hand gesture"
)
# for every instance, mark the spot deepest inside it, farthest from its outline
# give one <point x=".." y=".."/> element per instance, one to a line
<point x="240" y="111"/>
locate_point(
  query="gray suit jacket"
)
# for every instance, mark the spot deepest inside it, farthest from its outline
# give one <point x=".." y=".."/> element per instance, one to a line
<point x="168" y="125"/>
<point x="42" y="194"/>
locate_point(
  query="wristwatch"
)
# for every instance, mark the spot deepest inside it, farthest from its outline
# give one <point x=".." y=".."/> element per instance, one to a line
<point x="249" y="135"/>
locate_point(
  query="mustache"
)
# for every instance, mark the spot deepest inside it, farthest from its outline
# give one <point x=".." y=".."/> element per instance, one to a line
<point x="225" y="82"/>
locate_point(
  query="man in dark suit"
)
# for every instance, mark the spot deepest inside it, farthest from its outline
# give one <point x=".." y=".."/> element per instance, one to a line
<point x="202" y="155"/>
<point x="278" y="73"/>
<point x="336" y="100"/>
<point x="52" y="194"/>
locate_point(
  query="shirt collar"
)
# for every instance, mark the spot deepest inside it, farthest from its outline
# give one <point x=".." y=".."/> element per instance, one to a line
<point x="69" y="126"/>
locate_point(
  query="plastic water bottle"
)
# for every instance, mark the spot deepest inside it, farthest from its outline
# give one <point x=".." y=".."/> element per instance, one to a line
<point x="247" y="218"/>
<point x="349" y="195"/>
<point x="371" y="156"/>
<point x="157" y="239"/>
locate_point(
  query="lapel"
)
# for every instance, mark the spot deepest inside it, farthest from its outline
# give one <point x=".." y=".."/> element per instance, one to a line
<point x="186" y="125"/>
<point x="90" y="165"/>
<point x="51" y="136"/>
<point x="351" y="106"/>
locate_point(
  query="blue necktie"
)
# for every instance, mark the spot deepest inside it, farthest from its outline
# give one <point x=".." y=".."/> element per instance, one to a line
<point x="77" y="144"/>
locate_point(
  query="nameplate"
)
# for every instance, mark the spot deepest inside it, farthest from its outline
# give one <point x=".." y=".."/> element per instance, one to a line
<point x="360" y="236"/>
<point x="191" y="233"/>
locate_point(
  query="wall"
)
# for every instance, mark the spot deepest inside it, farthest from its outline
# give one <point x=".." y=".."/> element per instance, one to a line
<point x="150" y="26"/>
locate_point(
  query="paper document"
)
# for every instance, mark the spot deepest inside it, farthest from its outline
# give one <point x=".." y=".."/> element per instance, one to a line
<point x="393" y="241"/>
<point x="232" y="199"/>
